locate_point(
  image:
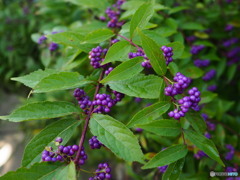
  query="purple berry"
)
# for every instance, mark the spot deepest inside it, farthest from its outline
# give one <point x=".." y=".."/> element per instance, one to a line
<point x="53" y="46"/>
<point x="59" y="140"/>
<point x="42" y="39"/>
<point x="196" y="49"/>
<point x="168" y="53"/>
<point x="209" y="75"/>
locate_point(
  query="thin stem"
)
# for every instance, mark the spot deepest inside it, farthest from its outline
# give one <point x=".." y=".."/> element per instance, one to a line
<point x="86" y="171"/>
<point x="183" y="137"/>
<point x="88" y="119"/>
<point x="130" y="41"/>
<point x="165" y="78"/>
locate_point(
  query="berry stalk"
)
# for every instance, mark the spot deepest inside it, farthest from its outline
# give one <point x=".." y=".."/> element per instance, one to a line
<point x="88" y="119"/>
<point x="130" y="41"/>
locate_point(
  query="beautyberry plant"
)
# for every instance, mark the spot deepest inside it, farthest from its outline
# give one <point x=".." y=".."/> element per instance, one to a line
<point x="137" y="82"/>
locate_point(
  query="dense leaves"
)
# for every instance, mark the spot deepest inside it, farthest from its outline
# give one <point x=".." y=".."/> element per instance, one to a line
<point x="154" y="80"/>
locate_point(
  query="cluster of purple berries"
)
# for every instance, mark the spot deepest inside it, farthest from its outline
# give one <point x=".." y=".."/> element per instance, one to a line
<point x="96" y="56"/>
<point x="201" y="63"/>
<point x="95" y="143"/>
<point x="212" y="88"/>
<point x="200" y="154"/>
<point x="63" y="153"/>
<point x="113" y="41"/>
<point x="233" y="54"/>
<point x="186" y="103"/>
<point x="113" y="14"/>
<point x="53" y="46"/>
<point x="197" y="48"/>
<point x="108" y="70"/>
<point x="232" y="169"/>
<point x="145" y="63"/>
<point x="83" y="99"/>
<point x="168" y="53"/>
<point x="230" y="154"/>
<point x="181" y="83"/>
<point x="229" y="27"/>
<point x="42" y="39"/>
<point x="209" y="75"/>
<point x="102" y="173"/>
<point x="102" y="102"/>
<point x="191" y="38"/>
<point x="210" y="126"/>
<point x="162" y="169"/>
<point x="230" y="42"/>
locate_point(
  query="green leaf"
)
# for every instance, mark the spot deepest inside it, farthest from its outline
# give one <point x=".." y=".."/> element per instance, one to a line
<point x="173" y="68"/>
<point x="168" y="28"/>
<point x="141" y="17"/>
<point x="98" y="36"/>
<point x="231" y="72"/>
<point x="102" y="5"/>
<point x="35" y="77"/>
<point x="149" y="113"/>
<point x="154" y="53"/>
<point x="174" y="170"/>
<point x="177" y="9"/>
<point x="36" y="171"/>
<point x="178" y="49"/>
<point x="72" y="39"/>
<point x="192" y="26"/>
<point x="126" y="70"/>
<point x="41" y="110"/>
<point x="68" y="173"/>
<point x="117" y="52"/>
<point x="161" y="41"/>
<point x="46" y="57"/>
<point x="167" y="156"/>
<point x="139" y="86"/>
<point x="62" y="128"/>
<point x="196" y="121"/>
<point x="193" y="72"/>
<point x="117" y="137"/>
<point x="207" y="97"/>
<point x="205" y="144"/>
<point x="60" y="81"/>
<point x="162" y="127"/>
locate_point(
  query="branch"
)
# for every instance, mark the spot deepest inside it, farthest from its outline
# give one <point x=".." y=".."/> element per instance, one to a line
<point x="88" y="119"/>
<point x="130" y="41"/>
